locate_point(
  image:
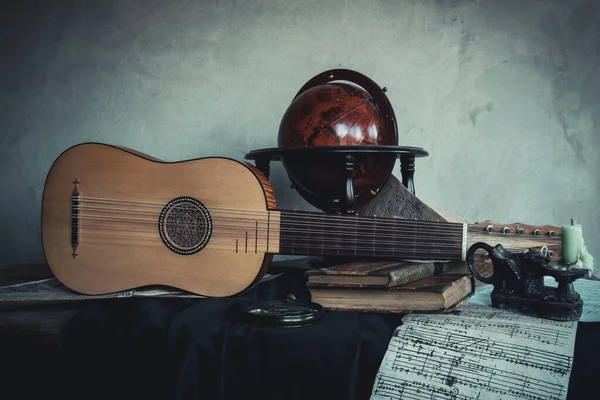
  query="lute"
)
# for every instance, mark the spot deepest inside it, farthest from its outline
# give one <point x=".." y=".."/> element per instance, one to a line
<point x="114" y="219"/>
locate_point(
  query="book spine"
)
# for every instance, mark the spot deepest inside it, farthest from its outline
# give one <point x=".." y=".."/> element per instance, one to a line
<point x="411" y="273"/>
<point x="454" y="267"/>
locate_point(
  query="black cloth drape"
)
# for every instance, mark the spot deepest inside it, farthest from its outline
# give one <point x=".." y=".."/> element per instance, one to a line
<point x="204" y="349"/>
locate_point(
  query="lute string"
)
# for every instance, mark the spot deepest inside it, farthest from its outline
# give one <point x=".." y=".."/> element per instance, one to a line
<point x="348" y="223"/>
<point x="362" y="232"/>
<point x="334" y="243"/>
<point x="359" y="249"/>
<point x="303" y="227"/>
<point x="327" y="238"/>
<point x="365" y="238"/>
<point x="229" y="245"/>
<point x="288" y="215"/>
<point x="325" y="218"/>
<point x="294" y="219"/>
<point x="362" y="235"/>
<point x="321" y="220"/>
<point x="297" y="215"/>
<point x="229" y="240"/>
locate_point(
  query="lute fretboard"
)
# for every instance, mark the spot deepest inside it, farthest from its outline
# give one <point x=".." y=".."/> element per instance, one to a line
<point x="305" y="233"/>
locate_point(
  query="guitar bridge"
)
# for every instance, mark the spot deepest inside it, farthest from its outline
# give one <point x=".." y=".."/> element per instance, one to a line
<point x="75" y="200"/>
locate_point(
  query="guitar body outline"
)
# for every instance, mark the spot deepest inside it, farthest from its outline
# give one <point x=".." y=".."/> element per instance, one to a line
<point x="114" y="254"/>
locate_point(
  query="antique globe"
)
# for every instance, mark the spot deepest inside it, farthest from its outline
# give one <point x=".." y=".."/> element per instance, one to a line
<point x="336" y="114"/>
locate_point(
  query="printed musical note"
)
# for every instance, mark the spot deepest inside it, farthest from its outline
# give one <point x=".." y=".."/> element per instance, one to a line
<point x="477" y="352"/>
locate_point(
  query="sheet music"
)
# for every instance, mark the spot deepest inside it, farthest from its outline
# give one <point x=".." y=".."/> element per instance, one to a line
<point x="477" y="352"/>
<point x="588" y="289"/>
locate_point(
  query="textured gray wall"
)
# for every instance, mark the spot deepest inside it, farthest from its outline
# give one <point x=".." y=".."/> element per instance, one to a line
<point x="504" y="95"/>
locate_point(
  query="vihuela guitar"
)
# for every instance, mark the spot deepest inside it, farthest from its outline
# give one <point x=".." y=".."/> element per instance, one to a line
<point x="114" y="219"/>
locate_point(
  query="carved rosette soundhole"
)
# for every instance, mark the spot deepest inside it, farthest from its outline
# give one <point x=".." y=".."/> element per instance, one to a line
<point x="185" y="225"/>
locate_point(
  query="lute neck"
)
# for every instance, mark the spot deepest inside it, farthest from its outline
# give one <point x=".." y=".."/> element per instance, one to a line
<point x="304" y="233"/>
<point x="314" y="234"/>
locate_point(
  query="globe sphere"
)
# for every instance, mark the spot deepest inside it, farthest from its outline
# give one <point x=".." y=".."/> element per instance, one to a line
<point x="336" y="114"/>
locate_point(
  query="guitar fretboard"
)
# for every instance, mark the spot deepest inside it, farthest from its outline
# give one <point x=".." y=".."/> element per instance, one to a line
<point x="315" y="234"/>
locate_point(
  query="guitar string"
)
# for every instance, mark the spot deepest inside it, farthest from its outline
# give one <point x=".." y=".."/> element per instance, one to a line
<point x="359" y="249"/>
<point x="262" y="248"/>
<point x="264" y="234"/>
<point x="364" y="236"/>
<point x="362" y="241"/>
<point x="305" y="243"/>
<point x="296" y="214"/>
<point x="380" y="252"/>
<point x="231" y="243"/>
<point x="326" y="236"/>
<point x="348" y="223"/>
<point x="315" y="249"/>
<point x="452" y="244"/>
<point x="418" y="230"/>
<point x="361" y="233"/>
<point x="339" y="234"/>
<point x="398" y="229"/>
<point x="235" y="211"/>
<point x="252" y="223"/>
<point x="307" y="214"/>
<point x="328" y="219"/>
<point x="318" y="247"/>
<point x="263" y="228"/>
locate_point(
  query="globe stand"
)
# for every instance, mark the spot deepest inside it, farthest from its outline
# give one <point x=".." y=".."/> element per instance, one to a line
<point x="345" y="155"/>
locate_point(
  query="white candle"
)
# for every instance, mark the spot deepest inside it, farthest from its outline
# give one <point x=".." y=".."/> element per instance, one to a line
<point x="571" y="243"/>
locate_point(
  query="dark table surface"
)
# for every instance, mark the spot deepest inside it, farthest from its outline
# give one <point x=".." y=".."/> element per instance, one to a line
<point x="205" y="349"/>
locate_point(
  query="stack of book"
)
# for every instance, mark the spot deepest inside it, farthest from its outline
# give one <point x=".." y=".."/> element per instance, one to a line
<point x="397" y="287"/>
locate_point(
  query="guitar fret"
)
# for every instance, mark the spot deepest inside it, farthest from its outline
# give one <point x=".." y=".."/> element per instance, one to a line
<point x="268" y="228"/>
<point x="256" y="239"/>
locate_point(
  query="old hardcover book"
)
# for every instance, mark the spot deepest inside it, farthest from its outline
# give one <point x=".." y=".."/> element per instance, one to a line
<point x="434" y="293"/>
<point x="369" y="274"/>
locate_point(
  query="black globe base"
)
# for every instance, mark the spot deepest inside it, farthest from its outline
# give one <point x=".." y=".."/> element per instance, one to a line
<point x="342" y="156"/>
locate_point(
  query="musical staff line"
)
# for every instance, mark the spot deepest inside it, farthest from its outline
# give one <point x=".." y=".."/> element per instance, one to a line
<point x="450" y="368"/>
<point x="391" y="387"/>
<point x="511" y="326"/>
<point x="498" y="350"/>
<point x="477" y="352"/>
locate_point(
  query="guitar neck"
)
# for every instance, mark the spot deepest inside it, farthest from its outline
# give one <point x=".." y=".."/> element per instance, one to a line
<point x="306" y="233"/>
